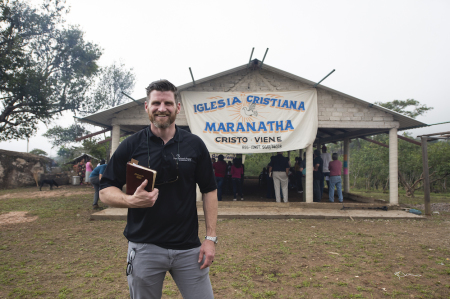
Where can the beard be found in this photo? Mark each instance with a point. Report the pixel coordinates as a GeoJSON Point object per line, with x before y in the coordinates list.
{"type": "Point", "coordinates": [162, 123]}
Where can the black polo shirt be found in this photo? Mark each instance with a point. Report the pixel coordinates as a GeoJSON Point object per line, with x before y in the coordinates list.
{"type": "Point", "coordinates": [279, 163]}
{"type": "Point", "coordinates": [172, 223]}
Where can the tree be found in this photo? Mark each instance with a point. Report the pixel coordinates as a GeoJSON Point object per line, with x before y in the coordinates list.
{"type": "Point", "coordinates": [111, 82]}
{"type": "Point", "coordinates": [45, 68]}
{"type": "Point", "coordinates": [38, 152]}
{"type": "Point", "coordinates": [403, 106]}
{"type": "Point", "coordinates": [63, 136]}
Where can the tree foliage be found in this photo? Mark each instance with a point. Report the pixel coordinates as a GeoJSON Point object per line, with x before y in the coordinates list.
{"type": "Point", "coordinates": [45, 68]}
{"type": "Point", "coordinates": [409, 107]}
{"type": "Point", "coordinates": [111, 82]}
{"type": "Point", "coordinates": [62, 136]}
{"type": "Point", "coordinates": [38, 152]}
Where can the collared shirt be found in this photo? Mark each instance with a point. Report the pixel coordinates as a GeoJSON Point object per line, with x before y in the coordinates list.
{"type": "Point", "coordinates": [279, 163]}
{"type": "Point", "coordinates": [172, 222]}
{"type": "Point", "coordinates": [335, 168]}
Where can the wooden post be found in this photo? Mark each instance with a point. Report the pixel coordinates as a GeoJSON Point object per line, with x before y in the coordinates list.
{"type": "Point", "coordinates": [346, 165]}
{"type": "Point", "coordinates": [426, 177]}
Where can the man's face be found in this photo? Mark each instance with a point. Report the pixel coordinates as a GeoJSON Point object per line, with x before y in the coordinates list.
{"type": "Point", "coordinates": [162, 109]}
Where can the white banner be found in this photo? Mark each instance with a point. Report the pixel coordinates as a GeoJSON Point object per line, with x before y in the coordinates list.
{"type": "Point", "coordinates": [236, 122]}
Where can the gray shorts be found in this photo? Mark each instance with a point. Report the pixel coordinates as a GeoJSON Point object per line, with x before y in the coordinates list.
{"type": "Point", "coordinates": [147, 267]}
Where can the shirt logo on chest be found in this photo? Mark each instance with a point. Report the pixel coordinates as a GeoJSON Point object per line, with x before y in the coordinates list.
{"type": "Point", "coordinates": [177, 157]}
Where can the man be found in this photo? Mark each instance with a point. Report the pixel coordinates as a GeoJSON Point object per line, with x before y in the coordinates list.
{"type": "Point", "coordinates": [220, 171]}
{"type": "Point", "coordinates": [326, 159]}
{"type": "Point", "coordinates": [303, 171]}
{"type": "Point", "coordinates": [94, 179]}
{"type": "Point", "coordinates": [162, 225]}
{"type": "Point", "coordinates": [335, 178]}
{"type": "Point", "coordinates": [280, 167]}
{"type": "Point", "coordinates": [298, 174]}
{"type": "Point", "coordinates": [317, 176]}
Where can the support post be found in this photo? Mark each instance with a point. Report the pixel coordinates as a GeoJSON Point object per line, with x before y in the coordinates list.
{"type": "Point", "coordinates": [309, 174]}
{"type": "Point", "coordinates": [393, 167]}
{"type": "Point", "coordinates": [115, 135]}
{"type": "Point", "coordinates": [346, 165]}
{"type": "Point", "coordinates": [426, 177]}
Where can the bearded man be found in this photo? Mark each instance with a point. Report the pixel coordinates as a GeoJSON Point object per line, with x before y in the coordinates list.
{"type": "Point", "coordinates": [162, 225]}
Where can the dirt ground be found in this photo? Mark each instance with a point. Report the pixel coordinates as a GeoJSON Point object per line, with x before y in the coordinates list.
{"type": "Point", "coordinates": [59, 253]}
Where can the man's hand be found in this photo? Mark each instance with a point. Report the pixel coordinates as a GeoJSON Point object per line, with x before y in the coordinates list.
{"type": "Point", "coordinates": [143, 199]}
{"type": "Point", "coordinates": [208, 250]}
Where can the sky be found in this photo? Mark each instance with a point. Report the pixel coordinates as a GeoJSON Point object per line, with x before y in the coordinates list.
{"type": "Point", "coordinates": [381, 50]}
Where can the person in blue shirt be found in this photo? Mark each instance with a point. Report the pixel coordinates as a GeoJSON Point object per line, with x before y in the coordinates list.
{"type": "Point", "coordinates": [94, 179]}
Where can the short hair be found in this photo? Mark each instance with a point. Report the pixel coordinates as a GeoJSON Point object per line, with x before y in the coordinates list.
{"type": "Point", "coordinates": [334, 156]}
{"type": "Point", "coordinates": [220, 157]}
{"type": "Point", "coordinates": [317, 153]}
{"type": "Point", "coordinates": [163, 85]}
{"type": "Point", "coordinates": [102, 161]}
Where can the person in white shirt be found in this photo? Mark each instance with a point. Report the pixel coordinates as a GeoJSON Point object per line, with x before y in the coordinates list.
{"type": "Point", "coordinates": [326, 157]}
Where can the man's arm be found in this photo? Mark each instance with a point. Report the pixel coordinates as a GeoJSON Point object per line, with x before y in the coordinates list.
{"type": "Point", "coordinates": [208, 249]}
{"type": "Point", "coordinates": [287, 171]}
{"type": "Point", "coordinates": [316, 167]}
{"type": "Point", "coordinates": [114, 197]}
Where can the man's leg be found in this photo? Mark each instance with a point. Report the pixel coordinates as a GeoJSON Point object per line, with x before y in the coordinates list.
{"type": "Point", "coordinates": [327, 174]}
{"type": "Point", "coordinates": [95, 182]}
{"type": "Point", "coordinates": [321, 186]}
{"type": "Point", "coordinates": [148, 269]}
{"type": "Point", "coordinates": [316, 190]}
{"type": "Point", "coordinates": [304, 188]}
{"type": "Point", "coordinates": [284, 186]}
{"type": "Point", "coordinates": [192, 282]}
{"type": "Point", "coordinates": [219, 188]}
{"type": "Point", "coordinates": [331, 189]}
{"type": "Point", "coordinates": [276, 185]}
{"type": "Point", "coordinates": [339, 189]}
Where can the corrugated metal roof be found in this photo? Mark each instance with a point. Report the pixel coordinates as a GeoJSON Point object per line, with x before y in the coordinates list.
{"type": "Point", "coordinates": [104, 118]}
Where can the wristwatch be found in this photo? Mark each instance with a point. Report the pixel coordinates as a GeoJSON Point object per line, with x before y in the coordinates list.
{"type": "Point", "coordinates": [214, 239]}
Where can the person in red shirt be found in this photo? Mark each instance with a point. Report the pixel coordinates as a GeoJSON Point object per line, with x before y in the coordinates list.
{"type": "Point", "coordinates": [220, 171]}
{"type": "Point", "coordinates": [236, 176]}
{"type": "Point", "coordinates": [335, 167]}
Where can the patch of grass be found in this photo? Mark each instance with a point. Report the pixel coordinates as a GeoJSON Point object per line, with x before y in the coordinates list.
{"type": "Point", "coordinates": [62, 255]}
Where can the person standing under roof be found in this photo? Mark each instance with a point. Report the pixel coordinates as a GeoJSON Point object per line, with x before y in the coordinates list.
{"type": "Point", "coordinates": [317, 176]}
{"type": "Point", "coordinates": [280, 167]}
{"type": "Point", "coordinates": [335, 167]}
{"type": "Point", "coordinates": [326, 159]}
{"type": "Point", "coordinates": [220, 171]}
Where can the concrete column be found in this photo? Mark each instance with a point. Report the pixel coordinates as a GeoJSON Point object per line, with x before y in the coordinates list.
{"type": "Point", "coordinates": [346, 165]}
{"type": "Point", "coordinates": [309, 174]}
{"type": "Point", "coordinates": [393, 167]}
{"type": "Point", "coordinates": [115, 138]}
